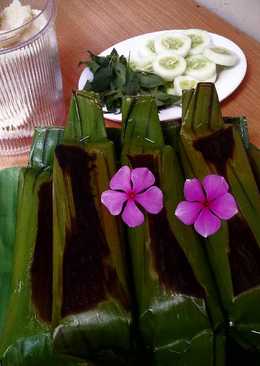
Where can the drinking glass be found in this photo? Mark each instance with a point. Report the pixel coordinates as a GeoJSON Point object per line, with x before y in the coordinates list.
{"type": "Point", "coordinates": [30, 78]}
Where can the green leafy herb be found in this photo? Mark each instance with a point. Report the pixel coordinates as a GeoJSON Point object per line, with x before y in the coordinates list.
{"type": "Point", "coordinates": [114, 78]}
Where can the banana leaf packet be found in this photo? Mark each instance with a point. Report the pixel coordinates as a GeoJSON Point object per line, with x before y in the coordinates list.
{"type": "Point", "coordinates": [26, 271]}
{"type": "Point", "coordinates": [174, 289]}
{"type": "Point", "coordinates": [91, 304]}
{"type": "Point", "coordinates": [39, 346]}
{"type": "Point", "coordinates": [207, 146]}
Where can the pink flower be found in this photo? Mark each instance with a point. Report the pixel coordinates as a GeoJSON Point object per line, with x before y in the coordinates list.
{"type": "Point", "coordinates": [206, 204]}
{"type": "Point", "coordinates": [129, 188]}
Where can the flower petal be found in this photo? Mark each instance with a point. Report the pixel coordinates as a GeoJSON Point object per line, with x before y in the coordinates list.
{"type": "Point", "coordinates": [113, 201]}
{"type": "Point", "coordinates": [193, 190]}
{"type": "Point", "coordinates": [224, 206]}
{"type": "Point", "coordinates": [187, 212]}
{"type": "Point", "coordinates": [207, 223]}
{"type": "Point", "coordinates": [151, 200]}
{"type": "Point", "coordinates": [132, 216]}
{"type": "Point", "coordinates": [121, 179]}
{"type": "Point", "coordinates": [142, 178]}
{"type": "Point", "coordinates": [214, 186]}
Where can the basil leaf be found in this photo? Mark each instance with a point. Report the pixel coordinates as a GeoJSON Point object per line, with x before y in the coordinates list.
{"type": "Point", "coordinates": [148, 80]}
{"type": "Point", "coordinates": [114, 78]}
{"type": "Point", "coordinates": [120, 72]}
{"type": "Point", "coordinates": [102, 79]}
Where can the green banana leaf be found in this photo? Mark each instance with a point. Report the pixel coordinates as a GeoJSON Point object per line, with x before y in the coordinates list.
{"type": "Point", "coordinates": [45, 140]}
{"type": "Point", "coordinates": [172, 279]}
{"type": "Point", "coordinates": [208, 146]}
{"type": "Point", "coordinates": [9, 179]}
{"type": "Point", "coordinates": [254, 159]}
{"type": "Point", "coordinates": [240, 356]}
{"type": "Point", "coordinates": [37, 350]}
{"type": "Point", "coordinates": [26, 337]}
{"type": "Point", "coordinates": [91, 305]}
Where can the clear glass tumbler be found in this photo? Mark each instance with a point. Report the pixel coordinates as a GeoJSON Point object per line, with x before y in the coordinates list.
{"type": "Point", "coordinates": [30, 78]}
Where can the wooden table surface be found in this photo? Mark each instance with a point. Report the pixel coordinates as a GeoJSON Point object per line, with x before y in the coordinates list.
{"type": "Point", "coordinates": [97, 24]}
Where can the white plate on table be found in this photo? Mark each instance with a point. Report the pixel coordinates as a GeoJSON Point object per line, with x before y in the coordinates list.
{"type": "Point", "coordinates": [227, 82]}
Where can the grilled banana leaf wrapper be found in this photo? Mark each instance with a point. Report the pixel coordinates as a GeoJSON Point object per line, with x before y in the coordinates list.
{"type": "Point", "coordinates": [30, 342]}
{"type": "Point", "coordinates": [235, 353]}
{"type": "Point", "coordinates": [26, 273]}
{"type": "Point", "coordinates": [91, 305]}
{"type": "Point", "coordinates": [208, 146]}
{"type": "Point", "coordinates": [178, 306]}
{"type": "Point", "coordinates": [171, 132]}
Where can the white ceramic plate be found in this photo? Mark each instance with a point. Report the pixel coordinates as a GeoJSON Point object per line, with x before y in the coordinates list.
{"type": "Point", "coordinates": [228, 80]}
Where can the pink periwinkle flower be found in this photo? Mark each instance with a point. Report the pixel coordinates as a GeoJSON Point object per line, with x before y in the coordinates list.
{"type": "Point", "coordinates": [207, 203]}
{"type": "Point", "coordinates": [130, 188]}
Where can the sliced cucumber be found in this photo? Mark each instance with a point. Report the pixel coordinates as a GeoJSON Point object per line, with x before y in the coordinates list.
{"type": "Point", "coordinates": [221, 56]}
{"type": "Point", "coordinates": [171, 91]}
{"type": "Point", "coordinates": [184, 82]}
{"type": "Point", "coordinates": [173, 42]}
{"type": "Point", "coordinates": [200, 39]}
{"type": "Point", "coordinates": [147, 48]}
{"type": "Point", "coordinates": [168, 66]}
{"type": "Point", "coordinates": [138, 62]}
{"type": "Point", "coordinates": [200, 67]}
{"type": "Point", "coordinates": [212, 79]}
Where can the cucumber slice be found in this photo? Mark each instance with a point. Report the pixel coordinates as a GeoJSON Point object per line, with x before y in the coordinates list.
{"type": "Point", "coordinates": [200, 39]}
{"type": "Point", "coordinates": [147, 48]}
{"type": "Point", "coordinates": [200, 67]}
{"type": "Point", "coordinates": [221, 56]}
{"type": "Point", "coordinates": [173, 42]}
{"type": "Point", "coordinates": [212, 79]}
{"type": "Point", "coordinates": [168, 66]}
{"type": "Point", "coordinates": [141, 63]}
{"type": "Point", "coordinates": [184, 82]}
{"type": "Point", "coordinates": [171, 91]}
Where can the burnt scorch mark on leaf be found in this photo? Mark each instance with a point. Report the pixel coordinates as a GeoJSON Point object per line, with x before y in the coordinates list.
{"type": "Point", "coordinates": [87, 275]}
{"type": "Point", "coordinates": [217, 148]}
{"type": "Point", "coordinates": [244, 256]}
{"type": "Point", "coordinates": [171, 264]}
{"type": "Point", "coordinates": [41, 269]}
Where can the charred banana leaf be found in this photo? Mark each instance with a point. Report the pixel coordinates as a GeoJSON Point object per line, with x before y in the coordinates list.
{"type": "Point", "coordinates": [208, 146]}
{"type": "Point", "coordinates": [173, 283]}
{"type": "Point", "coordinates": [90, 294]}
{"type": "Point", "coordinates": [26, 332]}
